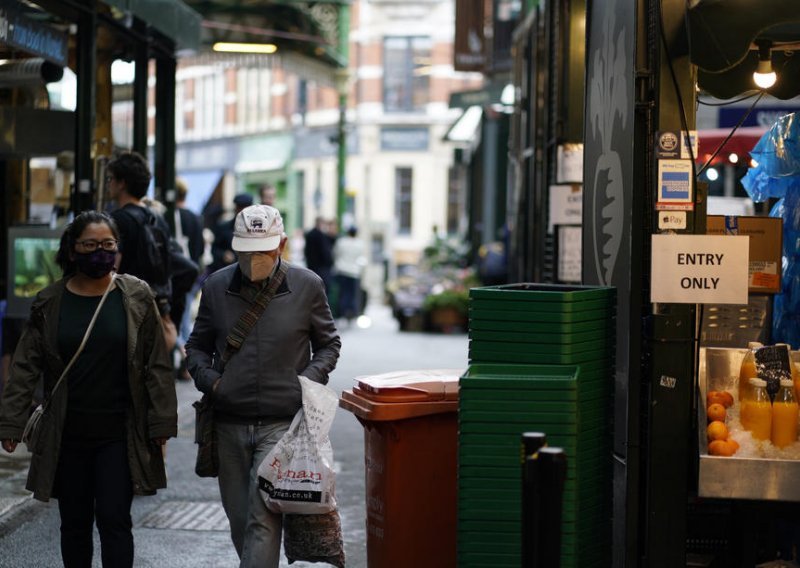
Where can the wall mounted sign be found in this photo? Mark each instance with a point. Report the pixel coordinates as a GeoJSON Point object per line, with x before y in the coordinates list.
{"type": "Point", "coordinates": [18, 30]}
{"type": "Point", "coordinates": [675, 188]}
{"type": "Point", "coordinates": [699, 269]}
{"type": "Point", "coordinates": [565, 206]}
{"type": "Point", "coordinates": [675, 145]}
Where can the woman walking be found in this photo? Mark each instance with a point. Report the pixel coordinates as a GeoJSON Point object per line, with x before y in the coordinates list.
{"type": "Point", "coordinates": [105, 421]}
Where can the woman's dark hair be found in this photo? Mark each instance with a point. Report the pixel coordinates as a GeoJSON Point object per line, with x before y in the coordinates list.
{"type": "Point", "coordinates": [72, 233]}
{"type": "Point", "coordinates": [131, 168]}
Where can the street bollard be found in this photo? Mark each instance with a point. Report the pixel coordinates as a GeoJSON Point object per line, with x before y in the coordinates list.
{"type": "Point", "coordinates": [552, 474]}
{"type": "Point", "coordinates": [531, 443]}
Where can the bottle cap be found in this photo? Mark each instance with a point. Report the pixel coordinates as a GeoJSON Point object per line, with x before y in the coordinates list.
{"type": "Point", "coordinates": [756, 382]}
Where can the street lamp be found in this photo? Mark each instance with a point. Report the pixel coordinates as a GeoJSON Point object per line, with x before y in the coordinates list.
{"type": "Point", "coordinates": [342, 78]}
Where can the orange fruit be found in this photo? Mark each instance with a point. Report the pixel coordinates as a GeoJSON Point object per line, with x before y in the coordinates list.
{"type": "Point", "coordinates": [717, 431]}
{"type": "Point", "coordinates": [733, 443]}
{"type": "Point", "coordinates": [719, 397]}
{"type": "Point", "coordinates": [720, 448]}
{"type": "Point", "coordinates": [727, 399]}
{"type": "Point", "coordinates": [716, 412]}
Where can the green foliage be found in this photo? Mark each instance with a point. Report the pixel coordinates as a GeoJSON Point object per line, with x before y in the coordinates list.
{"type": "Point", "coordinates": [456, 298]}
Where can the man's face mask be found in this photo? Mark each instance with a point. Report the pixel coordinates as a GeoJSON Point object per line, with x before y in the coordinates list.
{"type": "Point", "coordinates": [256, 266]}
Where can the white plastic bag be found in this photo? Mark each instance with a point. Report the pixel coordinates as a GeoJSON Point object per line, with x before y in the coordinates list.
{"type": "Point", "coordinates": [297, 475]}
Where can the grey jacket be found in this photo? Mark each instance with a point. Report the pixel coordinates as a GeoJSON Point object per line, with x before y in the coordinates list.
{"type": "Point", "coordinates": [296, 335]}
{"type": "Point", "coordinates": [153, 412]}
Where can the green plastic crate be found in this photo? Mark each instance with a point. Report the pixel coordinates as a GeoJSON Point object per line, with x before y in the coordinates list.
{"type": "Point", "coordinates": [534, 327]}
{"type": "Point", "coordinates": [562, 319]}
{"type": "Point", "coordinates": [548, 293]}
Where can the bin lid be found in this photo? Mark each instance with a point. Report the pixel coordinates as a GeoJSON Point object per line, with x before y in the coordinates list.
{"type": "Point", "coordinates": [403, 394]}
{"type": "Point", "coordinates": [410, 386]}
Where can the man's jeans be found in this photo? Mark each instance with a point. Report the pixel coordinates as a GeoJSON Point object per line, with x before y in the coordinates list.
{"type": "Point", "coordinates": [256, 532]}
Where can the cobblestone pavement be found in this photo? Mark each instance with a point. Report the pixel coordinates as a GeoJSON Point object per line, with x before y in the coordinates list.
{"type": "Point", "coordinates": [183, 526]}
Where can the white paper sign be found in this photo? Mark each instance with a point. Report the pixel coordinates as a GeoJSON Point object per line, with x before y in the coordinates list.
{"type": "Point", "coordinates": [699, 269]}
{"type": "Point", "coordinates": [569, 254]}
{"type": "Point", "coordinates": [569, 163]}
{"type": "Point", "coordinates": [566, 206]}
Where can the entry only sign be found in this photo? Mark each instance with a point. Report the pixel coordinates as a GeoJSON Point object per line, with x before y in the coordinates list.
{"type": "Point", "coordinates": [699, 269]}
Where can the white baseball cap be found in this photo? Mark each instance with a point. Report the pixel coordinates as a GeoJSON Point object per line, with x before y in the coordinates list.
{"type": "Point", "coordinates": [257, 228]}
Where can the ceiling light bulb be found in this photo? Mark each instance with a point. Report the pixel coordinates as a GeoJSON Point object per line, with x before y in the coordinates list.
{"type": "Point", "coordinates": [733, 158]}
{"type": "Point", "coordinates": [764, 76]}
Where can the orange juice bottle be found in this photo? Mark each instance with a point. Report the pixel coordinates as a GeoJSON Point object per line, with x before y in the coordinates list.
{"type": "Point", "coordinates": [794, 358]}
{"type": "Point", "coordinates": [756, 411]}
{"type": "Point", "coordinates": [784, 415]}
{"type": "Point", "coordinates": [748, 370]}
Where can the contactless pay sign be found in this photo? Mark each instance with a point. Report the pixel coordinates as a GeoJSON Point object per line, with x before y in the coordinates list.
{"type": "Point", "coordinates": [699, 269]}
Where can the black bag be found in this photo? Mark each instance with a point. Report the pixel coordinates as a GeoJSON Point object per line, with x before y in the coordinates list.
{"type": "Point", "coordinates": [184, 270]}
{"type": "Point", "coordinates": [153, 257]}
{"type": "Point", "coordinates": [207, 464]}
{"type": "Point", "coordinates": [314, 538]}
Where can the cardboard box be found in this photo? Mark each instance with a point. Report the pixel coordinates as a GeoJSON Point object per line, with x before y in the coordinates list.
{"type": "Point", "coordinates": [766, 238]}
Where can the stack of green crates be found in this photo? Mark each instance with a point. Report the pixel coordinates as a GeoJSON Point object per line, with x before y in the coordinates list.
{"type": "Point", "coordinates": [540, 360]}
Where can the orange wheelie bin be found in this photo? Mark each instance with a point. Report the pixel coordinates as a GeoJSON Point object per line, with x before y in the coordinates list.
{"type": "Point", "coordinates": [410, 421]}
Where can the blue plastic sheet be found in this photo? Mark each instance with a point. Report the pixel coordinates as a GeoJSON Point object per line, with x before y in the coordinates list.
{"type": "Point", "coordinates": [777, 176]}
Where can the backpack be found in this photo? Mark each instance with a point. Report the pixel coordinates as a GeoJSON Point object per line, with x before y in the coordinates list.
{"type": "Point", "coordinates": [152, 251]}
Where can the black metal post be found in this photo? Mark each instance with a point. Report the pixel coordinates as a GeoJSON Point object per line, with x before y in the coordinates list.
{"type": "Point", "coordinates": [530, 444]}
{"type": "Point", "coordinates": [552, 474]}
{"type": "Point", "coordinates": [82, 194]}
{"type": "Point", "coordinates": [165, 134]}
{"type": "Point", "coordinates": [141, 60]}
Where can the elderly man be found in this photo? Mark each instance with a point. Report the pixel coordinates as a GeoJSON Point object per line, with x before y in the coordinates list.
{"type": "Point", "coordinates": [258, 392]}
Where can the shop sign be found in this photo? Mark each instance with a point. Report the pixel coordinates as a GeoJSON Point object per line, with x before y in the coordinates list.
{"type": "Point", "coordinates": [404, 139]}
{"type": "Point", "coordinates": [763, 117]}
{"type": "Point", "coordinates": [675, 190]}
{"type": "Point", "coordinates": [469, 39]}
{"type": "Point", "coordinates": [21, 32]}
{"type": "Point", "coordinates": [699, 269]}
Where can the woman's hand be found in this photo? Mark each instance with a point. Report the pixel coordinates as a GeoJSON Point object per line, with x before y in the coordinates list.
{"type": "Point", "coordinates": [10, 446]}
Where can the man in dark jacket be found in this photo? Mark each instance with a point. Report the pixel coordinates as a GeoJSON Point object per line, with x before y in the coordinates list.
{"type": "Point", "coordinates": [258, 393]}
{"type": "Point", "coordinates": [319, 251]}
{"type": "Point", "coordinates": [221, 251]}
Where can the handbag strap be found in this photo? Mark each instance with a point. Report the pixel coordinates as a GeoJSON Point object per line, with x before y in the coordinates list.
{"type": "Point", "coordinates": [85, 336]}
{"type": "Point", "coordinates": [251, 315]}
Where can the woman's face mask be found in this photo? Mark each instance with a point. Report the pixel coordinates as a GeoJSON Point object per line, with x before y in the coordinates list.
{"type": "Point", "coordinates": [96, 264]}
{"type": "Point", "coordinates": [257, 266]}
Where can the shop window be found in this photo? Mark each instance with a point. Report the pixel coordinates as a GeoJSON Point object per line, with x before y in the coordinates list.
{"type": "Point", "coordinates": [406, 73]}
{"type": "Point", "coordinates": [403, 185]}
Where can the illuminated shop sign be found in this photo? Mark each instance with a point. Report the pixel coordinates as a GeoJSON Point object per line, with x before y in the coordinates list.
{"type": "Point", "coordinates": [19, 31]}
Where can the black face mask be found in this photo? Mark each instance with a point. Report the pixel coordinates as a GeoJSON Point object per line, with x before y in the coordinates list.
{"type": "Point", "coordinates": [96, 264]}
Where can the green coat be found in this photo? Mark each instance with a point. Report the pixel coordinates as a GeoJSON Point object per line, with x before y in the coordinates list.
{"type": "Point", "coordinates": [153, 411]}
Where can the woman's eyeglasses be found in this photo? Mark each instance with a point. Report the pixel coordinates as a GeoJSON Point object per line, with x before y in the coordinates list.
{"type": "Point", "coordinates": [109, 245]}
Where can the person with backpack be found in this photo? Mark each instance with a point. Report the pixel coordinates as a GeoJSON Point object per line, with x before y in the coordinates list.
{"type": "Point", "coordinates": [144, 234]}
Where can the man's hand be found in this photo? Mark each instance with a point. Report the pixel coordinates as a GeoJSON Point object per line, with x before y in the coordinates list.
{"type": "Point", "coordinates": [159, 441]}
{"type": "Point", "coordinates": [10, 446]}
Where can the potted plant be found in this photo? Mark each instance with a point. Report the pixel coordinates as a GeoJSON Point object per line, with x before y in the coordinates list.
{"type": "Point", "coordinates": [448, 309]}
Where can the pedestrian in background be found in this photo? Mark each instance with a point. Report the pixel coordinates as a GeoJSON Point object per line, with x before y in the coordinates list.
{"type": "Point", "coordinates": [318, 251]}
{"type": "Point", "coordinates": [258, 393]}
{"type": "Point", "coordinates": [350, 259]}
{"type": "Point", "coordinates": [221, 250]}
{"type": "Point", "coordinates": [101, 436]}
{"type": "Point", "coordinates": [128, 177]}
{"type": "Point", "coordinates": [268, 194]}
{"type": "Point", "coordinates": [189, 236]}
